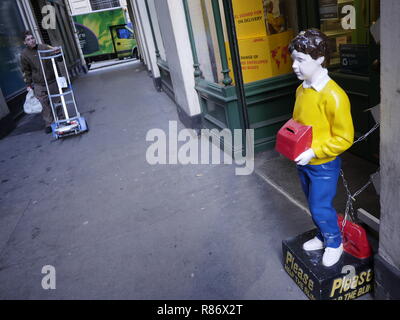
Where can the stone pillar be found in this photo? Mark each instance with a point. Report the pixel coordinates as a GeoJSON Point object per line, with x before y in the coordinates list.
{"type": "Point", "coordinates": [148, 34]}
{"type": "Point", "coordinates": [387, 261]}
{"type": "Point", "coordinates": [7, 123]}
{"type": "Point", "coordinates": [156, 29]}
{"type": "Point", "coordinates": [141, 37]}
{"type": "Point", "coordinates": [172, 22]}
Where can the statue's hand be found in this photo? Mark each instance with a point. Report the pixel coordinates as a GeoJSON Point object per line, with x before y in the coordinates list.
{"type": "Point", "coordinates": [305, 157]}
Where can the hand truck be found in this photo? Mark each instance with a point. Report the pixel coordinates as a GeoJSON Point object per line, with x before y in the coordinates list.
{"type": "Point", "coordinates": [69, 125]}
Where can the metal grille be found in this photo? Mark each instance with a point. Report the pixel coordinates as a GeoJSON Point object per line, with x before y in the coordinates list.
{"type": "Point", "coordinates": [104, 4]}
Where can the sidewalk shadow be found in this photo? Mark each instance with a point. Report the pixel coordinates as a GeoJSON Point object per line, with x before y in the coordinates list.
{"type": "Point", "coordinates": [28, 123]}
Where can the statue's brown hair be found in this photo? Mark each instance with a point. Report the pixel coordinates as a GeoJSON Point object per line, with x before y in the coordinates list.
{"type": "Point", "coordinates": [312, 42]}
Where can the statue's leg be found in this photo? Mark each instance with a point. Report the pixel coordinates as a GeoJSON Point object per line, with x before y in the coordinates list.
{"type": "Point", "coordinates": [305, 181]}
{"type": "Point", "coordinates": [322, 191]}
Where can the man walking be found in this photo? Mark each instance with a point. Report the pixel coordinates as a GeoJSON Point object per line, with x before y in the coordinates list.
{"type": "Point", "coordinates": [34, 77]}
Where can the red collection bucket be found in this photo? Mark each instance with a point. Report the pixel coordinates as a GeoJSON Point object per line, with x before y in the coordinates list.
{"type": "Point", "coordinates": [355, 241]}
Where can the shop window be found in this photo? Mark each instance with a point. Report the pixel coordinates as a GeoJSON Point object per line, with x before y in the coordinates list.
{"type": "Point", "coordinates": [332, 12]}
{"type": "Point", "coordinates": [205, 38]}
{"type": "Point", "coordinates": [264, 30]}
{"type": "Point", "coordinates": [11, 78]}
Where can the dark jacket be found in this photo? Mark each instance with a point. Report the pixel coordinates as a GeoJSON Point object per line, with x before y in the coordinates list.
{"type": "Point", "coordinates": [31, 66]}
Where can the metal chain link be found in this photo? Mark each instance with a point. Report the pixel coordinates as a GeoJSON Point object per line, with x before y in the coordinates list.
{"type": "Point", "coordinates": [350, 197]}
{"type": "Point", "coordinates": [349, 202]}
{"type": "Point", "coordinates": [368, 133]}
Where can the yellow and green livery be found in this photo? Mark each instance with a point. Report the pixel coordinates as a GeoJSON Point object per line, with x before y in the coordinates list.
{"type": "Point", "coordinates": [105, 35]}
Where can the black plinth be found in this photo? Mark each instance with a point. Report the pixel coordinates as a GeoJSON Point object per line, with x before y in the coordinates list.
{"type": "Point", "coordinates": [349, 279]}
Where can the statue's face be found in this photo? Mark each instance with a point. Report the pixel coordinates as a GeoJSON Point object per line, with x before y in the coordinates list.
{"type": "Point", "coordinates": [304, 66]}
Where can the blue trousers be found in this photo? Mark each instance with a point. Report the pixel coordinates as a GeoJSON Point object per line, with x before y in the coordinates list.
{"type": "Point", "coordinates": [319, 183]}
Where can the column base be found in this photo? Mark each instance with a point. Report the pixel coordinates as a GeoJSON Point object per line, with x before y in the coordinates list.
{"type": "Point", "coordinates": [387, 280]}
{"type": "Point", "coordinates": [7, 125]}
{"type": "Point", "coordinates": [192, 122]}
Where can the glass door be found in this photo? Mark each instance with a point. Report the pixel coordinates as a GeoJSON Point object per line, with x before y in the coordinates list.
{"type": "Point", "coordinates": [330, 12]}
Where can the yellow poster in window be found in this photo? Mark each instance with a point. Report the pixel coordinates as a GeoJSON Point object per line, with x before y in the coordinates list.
{"type": "Point", "coordinates": [254, 57]}
{"type": "Point", "coordinates": [249, 18]}
{"type": "Point", "coordinates": [264, 57]}
{"type": "Point", "coordinates": [281, 62]}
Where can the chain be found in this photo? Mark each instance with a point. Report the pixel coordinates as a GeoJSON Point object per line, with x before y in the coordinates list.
{"type": "Point", "coordinates": [350, 197]}
{"type": "Point", "coordinates": [349, 202]}
{"type": "Point", "coordinates": [362, 189]}
{"type": "Point", "coordinates": [368, 133]}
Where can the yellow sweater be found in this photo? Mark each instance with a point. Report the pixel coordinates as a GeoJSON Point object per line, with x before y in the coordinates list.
{"type": "Point", "coordinates": [328, 112]}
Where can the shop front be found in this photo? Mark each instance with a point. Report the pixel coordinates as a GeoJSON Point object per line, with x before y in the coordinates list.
{"type": "Point", "coordinates": [262, 31]}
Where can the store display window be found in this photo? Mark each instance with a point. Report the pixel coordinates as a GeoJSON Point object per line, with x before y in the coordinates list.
{"type": "Point", "coordinates": [347, 22]}
{"type": "Point", "coordinates": [11, 45]}
{"type": "Point", "coordinates": [206, 39]}
{"type": "Point", "coordinates": [264, 30]}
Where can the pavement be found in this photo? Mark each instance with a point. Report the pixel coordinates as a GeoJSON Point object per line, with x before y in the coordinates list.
{"type": "Point", "coordinates": [115, 227]}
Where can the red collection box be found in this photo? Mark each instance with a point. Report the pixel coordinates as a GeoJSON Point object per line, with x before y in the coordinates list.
{"type": "Point", "coordinates": [355, 241]}
{"type": "Point", "coordinates": [293, 139]}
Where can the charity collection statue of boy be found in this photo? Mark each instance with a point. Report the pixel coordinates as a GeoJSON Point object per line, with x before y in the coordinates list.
{"type": "Point", "coordinates": [322, 104]}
